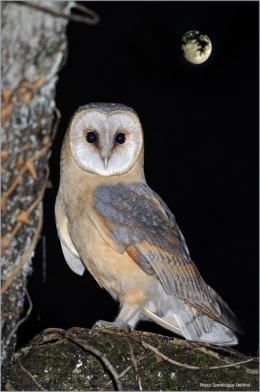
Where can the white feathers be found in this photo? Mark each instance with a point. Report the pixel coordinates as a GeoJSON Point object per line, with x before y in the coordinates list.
{"type": "Point", "coordinates": [72, 260]}
{"type": "Point", "coordinates": [105, 156]}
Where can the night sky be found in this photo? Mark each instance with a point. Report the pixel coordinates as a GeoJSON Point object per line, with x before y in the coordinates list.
{"type": "Point", "coordinates": [201, 148]}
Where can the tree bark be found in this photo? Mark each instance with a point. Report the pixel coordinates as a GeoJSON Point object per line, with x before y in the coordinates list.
{"type": "Point", "coordinates": [58, 360]}
{"type": "Point", "coordinates": [33, 50]}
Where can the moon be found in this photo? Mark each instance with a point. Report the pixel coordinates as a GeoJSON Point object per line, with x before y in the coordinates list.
{"type": "Point", "coordinates": [196, 47]}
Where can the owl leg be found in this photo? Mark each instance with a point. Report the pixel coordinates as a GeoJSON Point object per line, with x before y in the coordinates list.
{"type": "Point", "coordinates": [128, 316]}
{"type": "Point", "coordinates": [117, 325]}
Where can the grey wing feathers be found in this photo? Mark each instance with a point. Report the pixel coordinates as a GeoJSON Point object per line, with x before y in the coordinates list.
{"type": "Point", "coordinates": [137, 216]}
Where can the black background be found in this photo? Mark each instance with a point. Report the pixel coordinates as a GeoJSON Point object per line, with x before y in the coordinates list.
{"type": "Point", "coordinates": [201, 147]}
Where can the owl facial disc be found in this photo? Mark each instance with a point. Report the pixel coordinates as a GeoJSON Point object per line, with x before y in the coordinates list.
{"type": "Point", "coordinates": [106, 142]}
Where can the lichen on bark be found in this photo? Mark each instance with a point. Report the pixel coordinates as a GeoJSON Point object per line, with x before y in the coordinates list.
{"type": "Point", "coordinates": [33, 49]}
{"type": "Point", "coordinates": [144, 361]}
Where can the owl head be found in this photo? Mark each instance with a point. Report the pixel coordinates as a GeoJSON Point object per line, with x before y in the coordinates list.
{"type": "Point", "coordinates": [105, 138]}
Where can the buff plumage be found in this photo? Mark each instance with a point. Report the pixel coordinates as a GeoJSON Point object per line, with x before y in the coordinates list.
{"type": "Point", "coordinates": [110, 222]}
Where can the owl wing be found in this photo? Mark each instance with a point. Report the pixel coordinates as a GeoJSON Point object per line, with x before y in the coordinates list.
{"type": "Point", "coordinates": [134, 219]}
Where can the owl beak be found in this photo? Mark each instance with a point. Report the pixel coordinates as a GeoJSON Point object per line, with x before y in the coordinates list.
{"type": "Point", "coordinates": [105, 160]}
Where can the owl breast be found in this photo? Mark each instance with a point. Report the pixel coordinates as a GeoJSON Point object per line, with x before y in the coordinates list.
{"type": "Point", "coordinates": [116, 272]}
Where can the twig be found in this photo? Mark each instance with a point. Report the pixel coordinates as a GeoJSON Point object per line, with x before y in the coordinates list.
{"type": "Point", "coordinates": [37, 341]}
{"type": "Point", "coordinates": [135, 365]}
{"type": "Point", "coordinates": [26, 255]}
{"type": "Point", "coordinates": [125, 371]}
{"type": "Point", "coordinates": [23, 319]}
{"type": "Point", "coordinates": [56, 124]}
{"type": "Point", "coordinates": [96, 352]}
{"type": "Point", "coordinates": [27, 165]}
{"type": "Point", "coordinates": [7, 239]}
{"type": "Point", "coordinates": [32, 377]}
{"type": "Point", "coordinates": [76, 18]}
{"type": "Point", "coordinates": [19, 176]}
{"type": "Point", "coordinates": [229, 350]}
{"type": "Point", "coordinates": [189, 366]}
{"type": "Point", "coordinates": [226, 349]}
{"type": "Point", "coordinates": [193, 343]}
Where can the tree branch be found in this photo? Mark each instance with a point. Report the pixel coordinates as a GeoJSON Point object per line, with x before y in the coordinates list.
{"type": "Point", "coordinates": [75, 18]}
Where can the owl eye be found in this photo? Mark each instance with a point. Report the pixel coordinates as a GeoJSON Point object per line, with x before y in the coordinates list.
{"type": "Point", "coordinates": [120, 138]}
{"type": "Point", "coordinates": [91, 137]}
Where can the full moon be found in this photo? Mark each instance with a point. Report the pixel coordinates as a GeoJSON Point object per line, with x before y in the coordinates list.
{"type": "Point", "coordinates": [196, 47]}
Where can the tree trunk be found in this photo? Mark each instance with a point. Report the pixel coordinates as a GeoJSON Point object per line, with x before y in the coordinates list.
{"type": "Point", "coordinates": [33, 49]}
{"type": "Point", "coordinates": [57, 360]}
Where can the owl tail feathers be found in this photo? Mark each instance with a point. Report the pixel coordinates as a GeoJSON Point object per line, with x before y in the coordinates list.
{"type": "Point", "coordinates": [169, 324]}
{"type": "Point", "coordinates": [183, 325]}
{"type": "Point", "coordinates": [226, 317]}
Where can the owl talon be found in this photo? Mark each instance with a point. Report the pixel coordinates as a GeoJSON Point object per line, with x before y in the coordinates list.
{"type": "Point", "coordinates": [117, 325]}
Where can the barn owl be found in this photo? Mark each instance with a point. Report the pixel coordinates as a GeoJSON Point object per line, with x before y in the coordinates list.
{"type": "Point", "coordinates": [112, 223]}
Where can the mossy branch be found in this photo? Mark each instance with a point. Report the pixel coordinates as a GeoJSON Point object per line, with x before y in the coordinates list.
{"type": "Point", "coordinates": [63, 360]}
